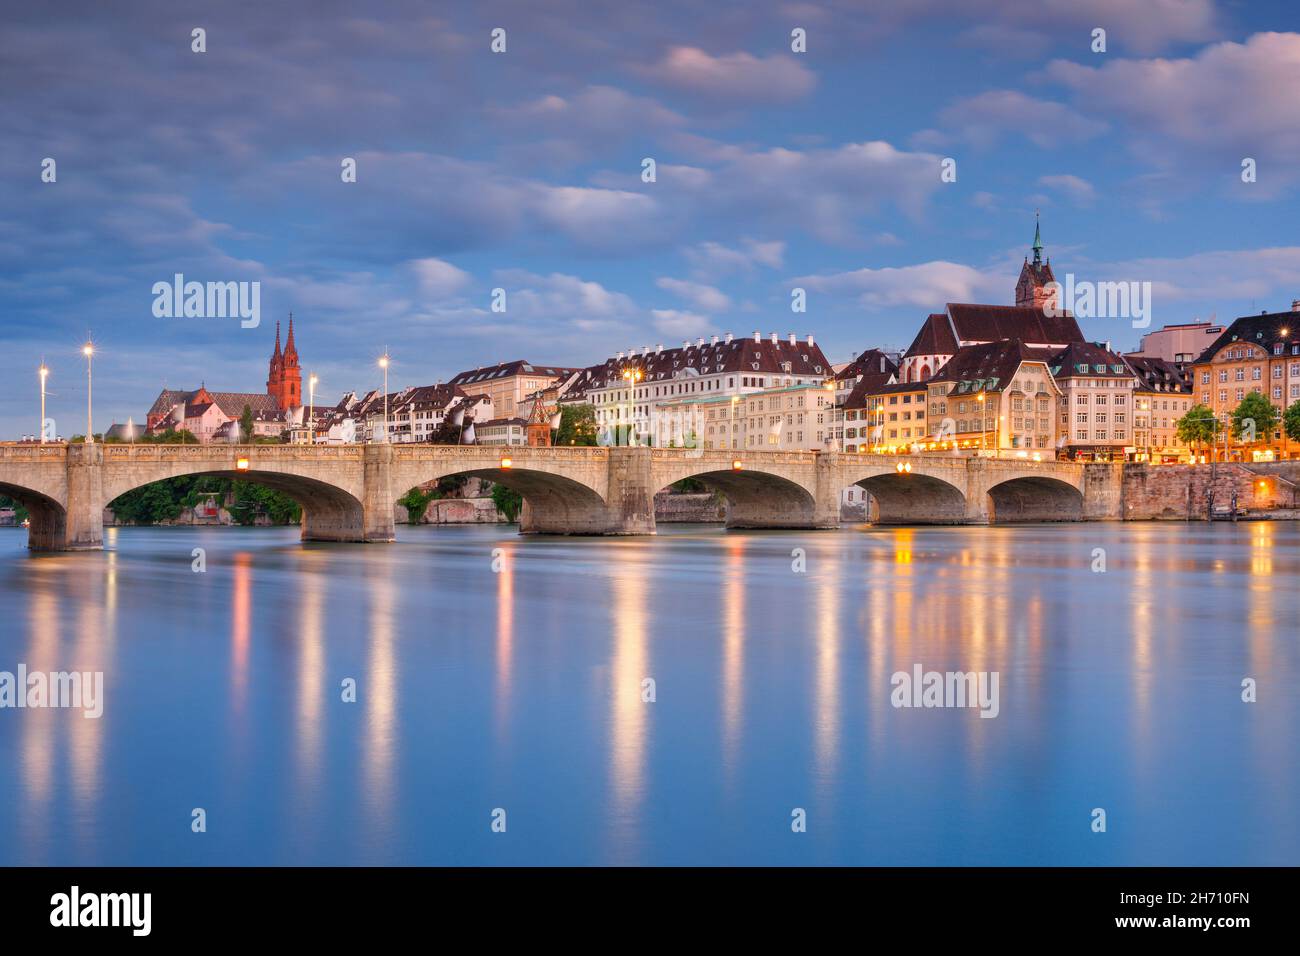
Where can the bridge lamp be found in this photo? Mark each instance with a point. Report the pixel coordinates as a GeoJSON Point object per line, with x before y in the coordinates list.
{"type": "Point", "coordinates": [45, 373]}
{"type": "Point", "coordinates": [737, 465]}
{"type": "Point", "coordinates": [383, 363]}
{"type": "Point", "coordinates": [88, 350]}
{"type": "Point", "coordinates": [506, 463]}
{"type": "Point", "coordinates": [241, 464]}
{"type": "Point", "coordinates": [311, 418]}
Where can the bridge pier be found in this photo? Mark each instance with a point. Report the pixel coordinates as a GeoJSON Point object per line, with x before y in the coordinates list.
{"type": "Point", "coordinates": [628, 508]}
{"type": "Point", "coordinates": [83, 520]}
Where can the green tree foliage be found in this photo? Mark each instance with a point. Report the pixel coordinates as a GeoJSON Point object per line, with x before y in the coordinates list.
{"type": "Point", "coordinates": [20, 512]}
{"type": "Point", "coordinates": [415, 502]}
{"type": "Point", "coordinates": [164, 500]}
{"type": "Point", "coordinates": [1291, 421]}
{"type": "Point", "coordinates": [577, 425]}
{"type": "Point", "coordinates": [1258, 409]}
{"type": "Point", "coordinates": [508, 502]}
{"type": "Point", "coordinates": [1197, 427]}
{"type": "Point", "coordinates": [688, 486]}
{"type": "Point", "coordinates": [246, 425]}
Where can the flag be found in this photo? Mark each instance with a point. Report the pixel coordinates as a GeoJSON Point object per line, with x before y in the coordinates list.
{"type": "Point", "coordinates": [467, 437]}
{"type": "Point", "coordinates": [555, 421]}
{"type": "Point", "coordinates": [457, 416]}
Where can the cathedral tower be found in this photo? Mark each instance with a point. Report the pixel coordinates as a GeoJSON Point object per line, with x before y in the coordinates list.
{"type": "Point", "coordinates": [1032, 289]}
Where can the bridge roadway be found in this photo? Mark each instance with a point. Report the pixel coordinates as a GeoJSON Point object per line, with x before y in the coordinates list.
{"type": "Point", "coordinates": [349, 492]}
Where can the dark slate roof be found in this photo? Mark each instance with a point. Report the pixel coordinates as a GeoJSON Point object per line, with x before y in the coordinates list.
{"type": "Point", "coordinates": [1090, 359]}
{"type": "Point", "coordinates": [741, 356]}
{"type": "Point", "coordinates": [870, 362]}
{"type": "Point", "coordinates": [478, 376]}
{"type": "Point", "coordinates": [1157, 375]}
{"type": "Point", "coordinates": [231, 403]}
{"type": "Point", "coordinates": [865, 389]}
{"type": "Point", "coordinates": [989, 367]}
{"type": "Point", "coordinates": [935, 337]}
{"type": "Point", "coordinates": [1264, 330]}
{"type": "Point", "coordinates": [989, 323]}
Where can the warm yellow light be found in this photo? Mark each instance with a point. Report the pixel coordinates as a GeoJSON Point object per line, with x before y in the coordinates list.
{"type": "Point", "coordinates": [737, 465]}
{"type": "Point", "coordinates": [312, 381]}
{"type": "Point", "coordinates": [241, 464]}
{"type": "Point", "coordinates": [383, 361]}
{"type": "Point", "coordinates": [88, 350]}
{"type": "Point", "coordinates": [44, 372]}
{"type": "Point", "coordinates": [506, 463]}
{"type": "Point", "coordinates": [981, 396]}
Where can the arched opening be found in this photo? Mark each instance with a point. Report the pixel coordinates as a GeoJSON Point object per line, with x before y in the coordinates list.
{"type": "Point", "coordinates": [1034, 499]}
{"type": "Point", "coordinates": [908, 498]}
{"type": "Point", "coordinates": [328, 512]}
{"type": "Point", "coordinates": [756, 499]}
{"type": "Point", "coordinates": [551, 504]}
{"type": "Point", "coordinates": [48, 521]}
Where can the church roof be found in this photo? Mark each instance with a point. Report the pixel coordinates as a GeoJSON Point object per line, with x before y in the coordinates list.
{"type": "Point", "coordinates": [1265, 330]}
{"type": "Point", "coordinates": [935, 338]}
{"type": "Point", "coordinates": [988, 367]}
{"type": "Point", "coordinates": [1034, 326]}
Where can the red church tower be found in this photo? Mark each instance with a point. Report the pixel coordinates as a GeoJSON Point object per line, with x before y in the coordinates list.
{"type": "Point", "coordinates": [284, 381]}
{"type": "Point", "coordinates": [1032, 288]}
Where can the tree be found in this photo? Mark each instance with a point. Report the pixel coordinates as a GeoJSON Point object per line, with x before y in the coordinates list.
{"type": "Point", "coordinates": [20, 512]}
{"type": "Point", "coordinates": [246, 425]}
{"type": "Point", "coordinates": [1197, 427]}
{"type": "Point", "coordinates": [171, 436]}
{"type": "Point", "coordinates": [1254, 419]}
{"type": "Point", "coordinates": [508, 502]}
{"type": "Point", "coordinates": [577, 425]}
{"type": "Point", "coordinates": [1291, 421]}
{"type": "Point", "coordinates": [416, 502]}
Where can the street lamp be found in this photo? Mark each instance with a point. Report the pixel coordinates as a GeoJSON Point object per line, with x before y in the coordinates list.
{"type": "Point", "coordinates": [44, 372]}
{"type": "Point", "coordinates": [88, 350]}
{"type": "Point", "coordinates": [631, 376]}
{"type": "Point", "coordinates": [311, 391]}
{"type": "Point", "coordinates": [982, 419]}
{"type": "Point", "coordinates": [383, 363]}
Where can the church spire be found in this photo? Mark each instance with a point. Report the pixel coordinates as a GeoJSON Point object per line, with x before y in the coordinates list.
{"type": "Point", "coordinates": [276, 354]}
{"type": "Point", "coordinates": [290, 350]}
{"type": "Point", "coordinates": [1038, 242]}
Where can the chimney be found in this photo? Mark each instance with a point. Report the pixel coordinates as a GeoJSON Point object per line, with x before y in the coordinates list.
{"type": "Point", "coordinates": [758, 336]}
{"type": "Point", "coordinates": [882, 363]}
{"type": "Point", "coordinates": [1295, 305]}
{"type": "Point", "coordinates": [794, 339]}
{"type": "Point", "coordinates": [774, 338]}
{"type": "Point", "coordinates": [714, 341]}
{"type": "Point", "coordinates": [619, 355]}
{"type": "Point", "coordinates": [659, 349]}
{"type": "Point", "coordinates": [700, 341]}
{"type": "Point", "coordinates": [728, 338]}
{"type": "Point", "coordinates": [686, 343]}
{"type": "Point", "coordinates": [645, 350]}
{"type": "Point", "coordinates": [811, 343]}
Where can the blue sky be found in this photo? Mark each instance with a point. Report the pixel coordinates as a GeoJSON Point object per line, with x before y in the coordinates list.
{"type": "Point", "coordinates": [522, 170]}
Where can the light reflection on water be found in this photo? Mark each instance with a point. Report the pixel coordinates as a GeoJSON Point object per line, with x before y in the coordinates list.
{"type": "Point", "coordinates": [522, 689]}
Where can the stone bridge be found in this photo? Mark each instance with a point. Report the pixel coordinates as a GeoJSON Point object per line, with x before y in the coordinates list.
{"type": "Point", "coordinates": [349, 492]}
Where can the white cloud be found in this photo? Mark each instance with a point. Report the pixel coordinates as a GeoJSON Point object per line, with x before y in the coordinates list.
{"type": "Point", "coordinates": [686, 324]}
{"type": "Point", "coordinates": [927, 285]}
{"type": "Point", "coordinates": [1079, 190]}
{"type": "Point", "coordinates": [439, 279]}
{"type": "Point", "coordinates": [704, 297]}
{"type": "Point", "coordinates": [983, 119]}
{"type": "Point", "coordinates": [733, 77]}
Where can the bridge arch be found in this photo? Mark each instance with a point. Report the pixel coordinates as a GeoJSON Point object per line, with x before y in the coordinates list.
{"type": "Point", "coordinates": [913, 497]}
{"type": "Point", "coordinates": [763, 489]}
{"type": "Point", "coordinates": [1033, 498]}
{"type": "Point", "coordinates": [553, 504]}
{"type": "Point", "coordinates": [48, 518]}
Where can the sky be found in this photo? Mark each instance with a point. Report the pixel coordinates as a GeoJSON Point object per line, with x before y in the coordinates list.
{"type": "Point", "coordinates": [523, 170]}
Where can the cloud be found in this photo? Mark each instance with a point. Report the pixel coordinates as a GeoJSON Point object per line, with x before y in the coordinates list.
{"type": "Point", "coordinates": [983, 119]}
{"type": "Point", "coordinates": [1079, 190]}
{"type": "Point", "coordinates": [734, 78]}
{"type": "Point", "coordinates": [1231, 100]}
{"type": "Point", "coordinates": [704, 297]}
{"type": "Point", "coordinates": [927, 285]}
{"type": "Point", "coordinates": [439, 279]}
{"type": "Point", "coordinates": [686, 324]}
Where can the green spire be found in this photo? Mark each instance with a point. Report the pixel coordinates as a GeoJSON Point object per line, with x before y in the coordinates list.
{"type": "Point", "coordinates": [1038, 242]}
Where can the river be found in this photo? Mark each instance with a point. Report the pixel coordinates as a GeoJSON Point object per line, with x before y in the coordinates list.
{"type": "Point", "coordinates": [502, 679]}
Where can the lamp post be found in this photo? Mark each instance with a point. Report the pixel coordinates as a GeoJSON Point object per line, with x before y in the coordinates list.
{"type": "Point", "coordinates": [311, 391]}
{"type": "Point", "coordinates": [631, 376]}
{"type": "Point", "coordinates": [980, 397]}
{"type": "Point", "coordinates": [88, 350]}
{"type": "Point", "coordinates": [44, 372]}
{"type": "Point", "coordinates": [383, 363]}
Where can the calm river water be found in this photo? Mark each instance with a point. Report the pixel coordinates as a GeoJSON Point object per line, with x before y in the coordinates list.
{"type": "Point", "coordinates": [522, 689]}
